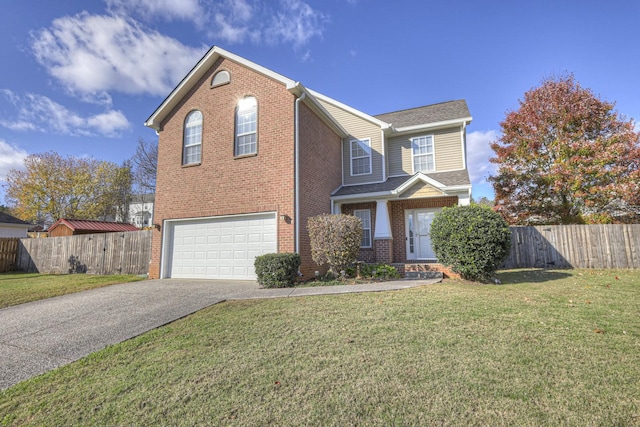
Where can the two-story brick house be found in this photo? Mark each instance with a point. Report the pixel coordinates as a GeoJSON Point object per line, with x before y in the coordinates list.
{"type": "Point", "coordinates": [247, 155]}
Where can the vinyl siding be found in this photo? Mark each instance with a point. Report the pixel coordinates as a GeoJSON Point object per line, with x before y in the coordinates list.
{"type": "Point", "coordinates": [447, 146]}
{"type": "Point", "coordinates": [358, 128]}
{"type": "Point", "coordinates": [420, 190]}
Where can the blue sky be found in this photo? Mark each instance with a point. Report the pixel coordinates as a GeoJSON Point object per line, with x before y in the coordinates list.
{"type": "Point", "coordinates": [80, 77]}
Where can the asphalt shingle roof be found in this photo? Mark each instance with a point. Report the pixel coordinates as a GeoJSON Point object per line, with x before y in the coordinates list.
{"type": "Point", "coordinates": [452, 178]}
{"type": "Point", "coordinates": [5, 218]}
{"type": "Point", "coordinates": [450, 110]}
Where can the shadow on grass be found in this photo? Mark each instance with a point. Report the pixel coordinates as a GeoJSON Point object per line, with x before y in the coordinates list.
{"type": "Point", "coordinates": [514, 277]}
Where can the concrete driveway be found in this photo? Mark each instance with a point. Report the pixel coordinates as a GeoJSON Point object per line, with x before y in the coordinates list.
{"type": "Point", "coordinates": [39, 336]}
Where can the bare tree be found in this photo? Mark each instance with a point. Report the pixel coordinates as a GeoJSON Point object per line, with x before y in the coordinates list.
{"type": "Point", "coordinates": [145, 166]}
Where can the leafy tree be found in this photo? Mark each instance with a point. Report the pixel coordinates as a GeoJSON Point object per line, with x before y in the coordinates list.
{"type": "Point", "coordinates": [473, 240]}
{"type": "Point", "coordinates": [566, 156]}
{"type": "Point", "coordinates": [484, 201]}
{"type": "Point", "coordinates": [335, 240]}
{"type": "Point", "coordinates": [51, 187]}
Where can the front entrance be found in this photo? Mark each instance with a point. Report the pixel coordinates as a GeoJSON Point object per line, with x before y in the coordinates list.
{"type": "Point", "coordinates": [418, 233]}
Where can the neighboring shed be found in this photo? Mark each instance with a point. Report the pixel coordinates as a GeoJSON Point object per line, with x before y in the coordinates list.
{"type": "Point", "coordinates": [72, 227]}
{"type": "Point", "coordinates": [10, 226]}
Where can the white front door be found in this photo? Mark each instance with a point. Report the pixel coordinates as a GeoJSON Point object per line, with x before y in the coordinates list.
{"type": "Point", "coordinates": [418, 224]}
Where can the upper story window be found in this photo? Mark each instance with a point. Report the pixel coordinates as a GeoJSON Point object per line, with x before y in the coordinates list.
{"type": "Point", "coordinates": [423, 154]}
{"type": "Point", "coordinates": [192, 152]}
{"type": "Point", "coordinates": [360, 156]}
{"type": "Point", "coordinates": [246, 127]}
{"type": "Point", "coordinates": [221, 78]}
{"type": "Point", "coordinates": [365, 217]}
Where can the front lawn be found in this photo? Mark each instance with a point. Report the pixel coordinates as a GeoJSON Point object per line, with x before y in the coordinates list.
{"type": "Point", "coordinates": [544, 348]}
{"type": "Point", "coordinates": [18, 288]}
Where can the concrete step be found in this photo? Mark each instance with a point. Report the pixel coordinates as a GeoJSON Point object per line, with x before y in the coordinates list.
{"type": "Point", "coordinates": [423, 275]}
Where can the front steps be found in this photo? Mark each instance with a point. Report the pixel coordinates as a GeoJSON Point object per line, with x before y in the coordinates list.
{"type": "Point", "coordinates": [424, 271]}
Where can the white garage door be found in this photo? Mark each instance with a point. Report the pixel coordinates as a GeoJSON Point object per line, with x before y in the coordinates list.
{"type": "Point", "coordinates": [220, 248]}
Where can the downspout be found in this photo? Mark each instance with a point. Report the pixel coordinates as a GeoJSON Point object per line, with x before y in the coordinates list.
{"type": "Point", "coordinates": [296, 247]}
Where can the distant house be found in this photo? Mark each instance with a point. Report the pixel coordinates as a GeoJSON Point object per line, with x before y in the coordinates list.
{"type": "Point", "coordinates": [72, 227]}
{"type": "Point", "coordinates": [10, 226]}
{"type": "Point", "coordinates": [141, 210]}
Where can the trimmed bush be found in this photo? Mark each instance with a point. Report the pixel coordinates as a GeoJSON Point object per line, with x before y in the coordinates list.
{"type": "Point", "coordinates": [277, 270]}
{"type": "Point", "coordinates": [335, 240]}
{"type": "Point", "coordinates": [473, 240]}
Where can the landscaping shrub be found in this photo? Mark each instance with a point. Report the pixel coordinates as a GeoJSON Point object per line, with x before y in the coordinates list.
{"type": "Point", "coordinates": [277, 270]}
{"type": "Point", "coordinates": [473, 240]}
{"type": "Point", "coordinates": [375, 271]}
{"type": "Point", "coordinates": [335, 240]}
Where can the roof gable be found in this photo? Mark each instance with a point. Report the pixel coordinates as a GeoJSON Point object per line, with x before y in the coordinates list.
{"type": "Point", "coordinates": [208, 60]}
{"type": "Point", "coordinates": [197, 72]}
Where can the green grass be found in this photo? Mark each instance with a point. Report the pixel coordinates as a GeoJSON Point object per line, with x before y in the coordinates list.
{"type": "Point", "coordinates": [18, 288]}
{"type": "Point", "coordinates": [545, 348]}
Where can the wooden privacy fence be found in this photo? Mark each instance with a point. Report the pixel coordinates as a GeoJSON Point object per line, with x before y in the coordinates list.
{"type": "Point", "coordinates": [8, 253]}
{"type": "Point", "coordinates": [577, 246]}
{"type": "Point", "coordinates": [106, 253]}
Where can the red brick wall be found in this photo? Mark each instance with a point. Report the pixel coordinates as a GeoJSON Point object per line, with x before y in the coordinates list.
{"type": "Point", "coordinates": [222, 184]}
{"type": "Point", "coordinates": [320, 175]}
{"type": "Point", "coordinates": [397, 219]}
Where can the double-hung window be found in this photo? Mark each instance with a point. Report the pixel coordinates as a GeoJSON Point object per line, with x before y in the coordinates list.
{"type": "Point", "coordinates": [423, 154]}
{"type": "Point", "coordinates": [360, 156]}
{"type": "Point", "coordinates": [246, 127]}
{"type": "Point", "coordinates": [192, 144]}
{"type": "Point", "coordinates": [365, 217]}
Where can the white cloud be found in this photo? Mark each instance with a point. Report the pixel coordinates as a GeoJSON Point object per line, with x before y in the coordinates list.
{"type": "Point", "coordinates": [478, 154]}
{"type": "Point", "coordinates": [291, 22]}
{"type": "Point", "coordinates": [168, 10]}
{"type": "Point", "coordinates": [11, 157]}
{"type": "Point", "coordinates": [295, 23]}
{"type": "Point", "coordinates": [94, 54]}
{"type": "Point", "coordinates": [39, 113]}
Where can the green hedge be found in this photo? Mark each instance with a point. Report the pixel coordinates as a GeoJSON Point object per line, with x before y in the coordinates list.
{"type": "Point", "coordinates": [473, 240]}
{"type": "Point", "coordinates": [277, 270]}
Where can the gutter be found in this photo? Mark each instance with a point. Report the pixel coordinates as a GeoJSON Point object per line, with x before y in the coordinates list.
{"type": "Point", "coordinates": [296, 244]}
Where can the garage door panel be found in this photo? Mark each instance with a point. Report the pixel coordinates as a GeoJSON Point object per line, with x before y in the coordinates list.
{"type": "Point", "coordinates": [220, 247]}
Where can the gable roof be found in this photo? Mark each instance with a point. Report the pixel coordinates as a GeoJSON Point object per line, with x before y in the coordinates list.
{"type": "Point", "coordinates": [428, 115]}
{"type": "Point", "coordinates": [91, 225]}
{"type": "Point", "coordinates": [5, 218]}
{"type": "Point", "coordinates": [207, 61]}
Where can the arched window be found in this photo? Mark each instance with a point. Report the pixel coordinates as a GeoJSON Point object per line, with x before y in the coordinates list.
{"type": "Point", "coordinates": [221, 78]}
{"type": "Point", "coordinates": [192, 138]}
{"type": "Point", "coordinates": [246, 127]}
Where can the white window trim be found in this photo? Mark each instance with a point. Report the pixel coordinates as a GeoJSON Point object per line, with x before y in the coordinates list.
{"type": "Point", "coordinates": [185, 145]}
{"type": "Point", "coordinates": [238, 134]}
{"type": "Point", "coordinates": [351, 158]}
{"type": "Point", "coordinates": [221, 78]}
{"type": "Point", "coordinates": [368, 211]}
{"type": "Point", "coordinates": [433, 153]}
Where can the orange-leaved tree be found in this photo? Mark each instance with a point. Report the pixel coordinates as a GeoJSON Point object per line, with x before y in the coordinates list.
{"type": "Point", "coordinates": [566, 157]}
